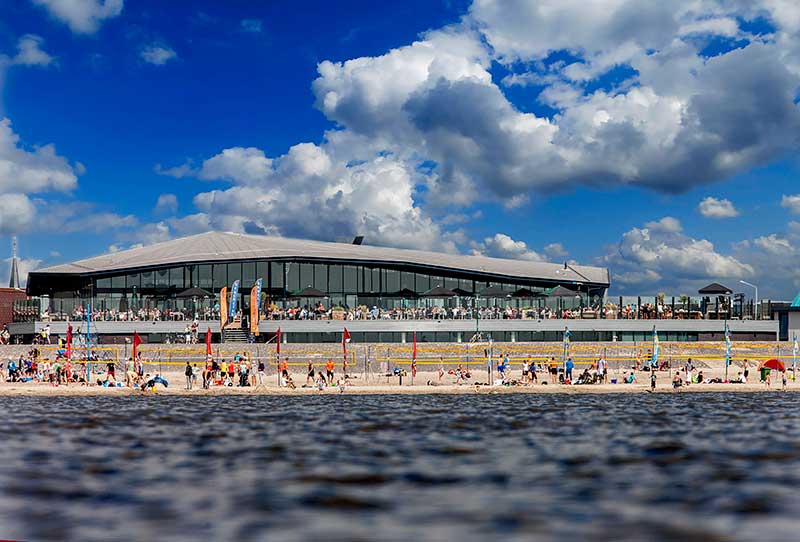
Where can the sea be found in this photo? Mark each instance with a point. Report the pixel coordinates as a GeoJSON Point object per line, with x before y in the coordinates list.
{"type": "Point", "coordinates": [630, 467]}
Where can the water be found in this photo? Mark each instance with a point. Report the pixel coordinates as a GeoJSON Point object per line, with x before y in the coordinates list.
{"type": "Point", "coordinates": [438, 467]}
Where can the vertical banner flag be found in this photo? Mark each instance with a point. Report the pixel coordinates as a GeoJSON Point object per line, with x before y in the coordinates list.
{"type": "Point", "coordinates": [136, 342]}
{"type": "Point", "coordinates": [414, 357]}
{"type": "Point", "coordinates": [727, 345]}
{"type": "Point", "coordinates": [567, 335]}
{"type": "Point", "coordinates": [234, 299]}
{"type": "Point", "coordinates": [278, 343]}
{"type": "Point", "coordinates": [255, 300]}
{"type": "Point", "coordinates": [223, 308]}
{"type": "Point", "coordinates": [208, 341]}
{"type": "Point", "coordinates": [69, 341]}
{"type": "Point", "coordinates": [656, 348]}
{"type": "Point", "coordinates": [795, 349]}
{"type": "Point", "coordinates": [345, 340]}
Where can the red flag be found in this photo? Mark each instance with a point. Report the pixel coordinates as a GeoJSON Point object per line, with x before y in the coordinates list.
{"type": "Point", "coordinates": [414, 357]}
{"type": "Point", "coordinates": [345, 340]}
{"type": "Point", "coordinates": [208, 342]}
{"type": "Point", "coordinates": [278, 343]}
{"type": "Point", "coordinates": [136, 342]}
{"type": "Point", "coordinates": [69, 341]}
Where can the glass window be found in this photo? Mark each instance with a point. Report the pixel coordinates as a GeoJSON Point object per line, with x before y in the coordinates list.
{"type": "Point", "coordinates": [118, 282]}
{"type": "Point", "coordinates": [192, 276]}
{"type": "Point", "coordinates": [176, 277]}
{"type": "Point", "coordinates": [276, 275]}
{"type": "Point", "coordinates": [220, 276]}
{"type": "Point", "coordinates": [103, 283]}
{"type": "Point", "coordinates": [262, 272]}
{"type": "Point", "coordinates": [162, 278]}
{"type": "Point", "coordinates": [450, 284]}
{"type": "Point", "coordinates": [306, 275]}
{"type": "Point", "coordinates": [234, 273]}
{"type": "Point", "coordinates": [133, 280]}
{"type": "Point", "coordinates": [407, 280]}
{"type": "Point", "coordinates": [376, 280]}
{"type": "Point", "coordinates": [205, 277]}
{"type": "Point", "coordinates": [148, 279]}
{"type": "Point", "coordinates": [350, 279]}
{"type": "Point", "coordinates": [392, 283]}
{"type": "Point", "coordinates": [292, 276]}
{"type": "Point", "coordinates": [334, 278]}
{"type": "Point", "coordinates": [423, 283]}
{"type": "Point", "coordinates": [248, 274]}
{"type": "Point", "coordinates": [321, 278]}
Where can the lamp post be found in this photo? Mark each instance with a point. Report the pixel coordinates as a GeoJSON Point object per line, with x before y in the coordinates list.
{"type": "Point", "coordinates": [755, 301]}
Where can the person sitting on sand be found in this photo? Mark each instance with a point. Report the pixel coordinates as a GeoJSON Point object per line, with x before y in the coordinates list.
{"type": "Point", "coordinates": [631, 378]}
{"type": "Point", "coordinates": [740, 379]}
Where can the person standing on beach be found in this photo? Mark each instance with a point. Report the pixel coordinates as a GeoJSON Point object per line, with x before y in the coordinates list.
{"type": "Point", "coordinates": [533, 377]}
{"type": "Point", "coordinates": [189, 376]}
{"type": "Point", "coordinates": [262, 372]}
{"type": "Point", "coordinates": [329, 366]}
{"type": "Point", "coordinates": [746, 368]}
{"type": "Point", "coordinates": [602, 369]}
{"type": "Point", "coordinates": [653, 380]}
{"type": "Point", "coordinates": [553, 367]}
{"type": "Point", "coordinates": [568, 366]}
{"type": "Point", "coordinates": [310, 373]}
{"type": "Point", "coordinates": [525, 371]}
{"type": "Point", "coordinates": [676, 382]}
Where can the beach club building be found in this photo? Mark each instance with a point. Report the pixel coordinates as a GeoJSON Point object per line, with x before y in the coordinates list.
{"type": "Point", "coordinates": [235, 284]}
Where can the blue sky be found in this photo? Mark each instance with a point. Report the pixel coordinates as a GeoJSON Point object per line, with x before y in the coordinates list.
{"type": "Point", "coordinates": [580, 132]}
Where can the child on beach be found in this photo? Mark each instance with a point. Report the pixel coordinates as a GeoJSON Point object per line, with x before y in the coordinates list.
{"type": "Point", "coordinates": [652, 380]}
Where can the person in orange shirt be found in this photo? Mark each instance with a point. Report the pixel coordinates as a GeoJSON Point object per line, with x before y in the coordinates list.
{"type": "Point", "coordinates": [329, 369]}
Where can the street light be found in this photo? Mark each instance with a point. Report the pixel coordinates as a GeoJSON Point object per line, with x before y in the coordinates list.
{"type": "Point", "coordinates": [755, 301]}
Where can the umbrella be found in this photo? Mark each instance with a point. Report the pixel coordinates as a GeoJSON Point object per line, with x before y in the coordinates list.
{"type": "Point", "coordinates": [439, 291]}
{"type": "Point", "coordinates": [715, 288]}
{"type": "Point", "coordinates": [493, 291]}
{"type": "Point", "coordinates": [405, 293]}
{"type": "Point", "coordinates": [525, 292]}
{"type": "Point", "coordinates": [308, 292]}
{"type": "Point", "coordinates": [461, 292]}
{"type": "Point", "coordinates": [773, 363]}
{"type": "Point", "coordinates": [560, 291]}
{"type": "Point", "coordinates": [193, 292]}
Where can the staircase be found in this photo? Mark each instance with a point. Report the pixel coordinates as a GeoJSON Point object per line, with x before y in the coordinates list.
{"type": "Point", "coordinates": [234, 335]}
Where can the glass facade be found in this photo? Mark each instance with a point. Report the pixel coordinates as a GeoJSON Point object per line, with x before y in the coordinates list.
{"type": "Point", "coordinates": [344, 285]}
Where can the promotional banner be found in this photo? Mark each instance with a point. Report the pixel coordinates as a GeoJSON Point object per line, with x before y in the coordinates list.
{"type": "Point", "coordinates": [69, 341]}
{"type": "Point", "coordinates": [278, 343]}
{"type": "Point", "coordinates": [208, 342]}
{"type": "Point", "coordinates": [223, 307]}
{"type": "Point", "coordinates": [234, 299]}
{"type": "Point", "coordinates": [255, 299]}
{"type": "Point", "coordinates": [656, 348]}
{"type": "Point", "coordinates": [345, 340]}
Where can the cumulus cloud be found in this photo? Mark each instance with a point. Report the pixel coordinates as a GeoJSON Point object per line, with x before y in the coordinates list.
{"type": "Point", "coordinates": [82, 16]}
{"type": "Point", "coordinates": [166, 203]}
{"type": "Point", "coordinates": [660, 254]}
{"type": "Point", "coordinates": [717, 208]}
{"type": "Point", "coordinates": [556, 251]}
{"type": "Point", "coordinates": [158, 54]}
{"type": "Point", "coordinates": [792, 203]}
{"type": "Point", "coordinates": [679, 111]}
{"type": "Point", "coordinates": [503, 246]}
{"type": "Point", "coordinates": [17, 213]}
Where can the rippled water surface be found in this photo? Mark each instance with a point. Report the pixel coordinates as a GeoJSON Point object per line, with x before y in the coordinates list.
{"type": "Point", "coordinates": [438, 467]}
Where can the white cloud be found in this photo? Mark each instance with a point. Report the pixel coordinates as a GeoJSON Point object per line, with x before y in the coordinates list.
{"type": "Point", "coordinates": [82, 16]}
{"type": "Point", "coordinates": [717, 208]}
{"type": "Point", "coordinates": [661, 255]}
{"type": "Point", "coordinates": [17, 213]}
{"type": "Point", "coordinates": [792, 203]}
{"type": "Point", "coordinates": [774, 245]}
{"type": "Point", "coordinates": [30, 53]}
{"type": "Point", "coordinates": [31, 171]}
{"type": "Point", "coordinates": [24, 266]}
{"type": "Point", "coordinates": [158, 54]}
{"type": "Point", "coordinates": [179, 172]}
{"type": "Point", "coordinates": [503, 246]}
{"type": "Point", "coordinates": [251, 25]}
{"type": "Point", "coordinates": [166, 203]}
{"type": "Point", "coordinates": [556, 251]}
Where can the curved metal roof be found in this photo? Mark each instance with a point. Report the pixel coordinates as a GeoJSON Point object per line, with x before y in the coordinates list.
{"type": "Point", "coordinates": [223, 246]}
